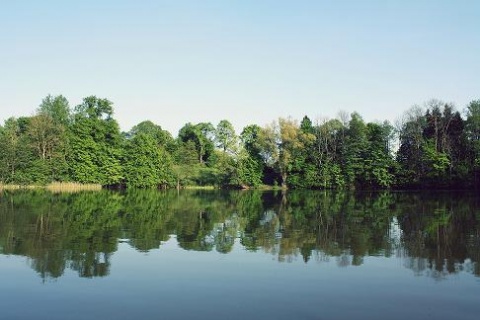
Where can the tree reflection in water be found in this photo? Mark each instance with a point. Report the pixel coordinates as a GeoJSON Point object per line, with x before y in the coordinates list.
{"type": "Point", "coordinates": [434, 234]}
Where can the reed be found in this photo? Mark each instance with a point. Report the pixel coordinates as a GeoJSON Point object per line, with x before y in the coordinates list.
{"type": "Point", "coordinates": [56, 187]}
{"type": "Point", "coordinates": [59, 187]}
{"type": "Point", "coordinates": [199, 187]}
{"type": "Point", "coordinates": [16, 187]}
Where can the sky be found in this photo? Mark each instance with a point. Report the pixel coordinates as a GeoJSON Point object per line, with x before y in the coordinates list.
{"type": "Point", "coordinates": [247, 61]}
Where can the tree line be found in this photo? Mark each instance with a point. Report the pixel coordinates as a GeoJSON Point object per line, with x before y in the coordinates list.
{"type": "Point", "coordinates": [430, 146]}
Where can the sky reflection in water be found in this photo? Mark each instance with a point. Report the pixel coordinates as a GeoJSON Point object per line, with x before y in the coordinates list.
{"type": "Point", "coordinates": [306, 255]}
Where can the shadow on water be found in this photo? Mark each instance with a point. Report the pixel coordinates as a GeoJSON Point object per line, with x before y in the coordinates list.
{"type": "Point", "coordinates": [434, 234]}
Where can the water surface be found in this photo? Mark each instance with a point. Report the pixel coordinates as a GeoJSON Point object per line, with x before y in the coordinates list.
{"type": "Point", "coordinates": [237, 255]}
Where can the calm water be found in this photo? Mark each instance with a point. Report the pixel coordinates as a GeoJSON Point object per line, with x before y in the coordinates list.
{"type": "Point", "coordinates": [239, 255]}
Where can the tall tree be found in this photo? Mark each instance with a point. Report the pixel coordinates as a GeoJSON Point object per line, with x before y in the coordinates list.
{"type": "Point", "coordinates": [95, 142]}
{"type": "Point", "coordinates": [11, 150]}
{"type": "Point", "coordinates": [186, 166]}
{"type": "Point", "coordinates": [473, 137]}
{"type": "Point", "coordinates": [250, 158]}
{"type": "Point", "coordinates": [444, 140]}
{"type": "Point", "coordinates": [48, 139]}
{"type": "Point", "coordinates": [225, 137]}
{"type": "Point", "coordinates": [268, 142]}
{"type": "Point", "coordinates": [162, 137]}
{"type": "Point", "coordinates": [378, 159]}
{"type": "Point", "coordinates": [249, 171]}
{"type": "Point", "coordinates": [250, 138]}
{"type": "Point", "coordinates": [44, 135]}
{"type": "Point", "coordinates": [354, 150]}
{"type": "Point", "coordinates": [303, 172]}
{"type": "Point", "coordinates": [147, 164]}
{"type": "Point", "coordinates": [409, 155]}
{"type": "Point", "coordinates": [202, 135]}
{"type": "Point", "coordinates": [327, 153]}
{"type": "Point", "coordinates": [56, 108]}
{"type": "Point", "coordinates": [279, 144]}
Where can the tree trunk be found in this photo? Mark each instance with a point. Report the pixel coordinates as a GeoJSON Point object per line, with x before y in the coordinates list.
{"type": "Point", "coordinates": [284, 180]}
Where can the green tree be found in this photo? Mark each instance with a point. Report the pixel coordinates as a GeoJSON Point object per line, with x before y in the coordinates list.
{"type": "Point", "coordinates": [225, 137]}
{"type": "Point", "coordinates": [56, 108]}
{"type": "Point", "coordinates": [95, 143]}
{"type": "Point", "coordinates": [162, 137]}
{"type": "Point", "coordinates": [303, 172]}
{"type": "Point", "coordinates": [48, 139]}
{"type": "Point", "coordinates": [268, 143]}
{"type": "Point", "coordinates": [444, 141]}
{"type": "Point", "coordinates": [473, 136]}
{"type": "Point", "coordinates": [186, 166]}
{"type": "Point", "coordinates": [410, 153]}
{"type": "Point", "coordinates": [436, 163]}
{"type": "Point", "coordinates": [250, 141]}
{"type": "Point", "coordinates": [378, 159]}
{"type": "Point", "coordinates": [280, 142]}
{"type": "Point", "coordinates": [250, 163]}
{"type": "Point", "coordinates": [354, 151]}
{"type": "Point", "coordinates": [16, 154]}
{"type": "Point", "coordinates": [327, 153]}
{"type": "Point", "coordinates": [249, 170]}
{"type": "Point", "coordinates": [202, 135]}
{"type": "Point", "coordinates": [146, 164]}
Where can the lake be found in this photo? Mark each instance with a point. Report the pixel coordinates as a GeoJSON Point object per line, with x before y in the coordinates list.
{"type": "Point", "coordinates": [147, 254]}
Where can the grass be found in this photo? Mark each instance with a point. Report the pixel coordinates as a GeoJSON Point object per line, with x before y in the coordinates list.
{"type": "Point", "coordinates": [56, 187]}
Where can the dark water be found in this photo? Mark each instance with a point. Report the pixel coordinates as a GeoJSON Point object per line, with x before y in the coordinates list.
{"type": "Point", "coordinates": [239, 255]}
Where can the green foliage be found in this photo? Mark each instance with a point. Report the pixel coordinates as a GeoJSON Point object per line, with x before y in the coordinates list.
{"type": "Point", "coordinates": [472, 133]}
{"type": "Point", "coordinates": [201, 135]}
{"type": "Point", "coordinates": [410, 150]}
{"type": "Point", "coordinates": [326, 154]}
{"type": "Point", "coordinates": [16, 154]}
{"type": "Point", "coordinates": [48, 139]}
{"type": "Point", "coordinates": [436, 148]}
{"type": "Point", "coordinates": [433, 148]}
{"type": "Point", "coordinates": [209, 176]}
{"type": "Point", "coordinates": [225, 137]}
{"type": "Point", "coordinates": [146, 164]}
{"type": "Point", "coordinates": [436, 162]}
{"type": "Point", "coordinates": [162, 137]}
{"type": "Point", "coordinates": [249, 172]}
{"type": "Point", "coordinates": [57, 108]}
{"type": "Point", "coordinates": [186, 167]}
{"type": "Point", "coordinates": [95, 142]}
{"type": "Point", "coordinates": [378, 160]}
{"type": "Point", "coordinates": [251, 162]}
{"type": "Point", "coordinates": [354, 151]}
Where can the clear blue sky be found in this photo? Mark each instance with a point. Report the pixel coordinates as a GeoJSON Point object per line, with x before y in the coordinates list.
{"type": "Point", "coordinates": [248, 61]}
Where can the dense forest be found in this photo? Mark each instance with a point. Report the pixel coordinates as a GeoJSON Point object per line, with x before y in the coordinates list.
{"type": "Point", "coordinates": [431, 146]}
